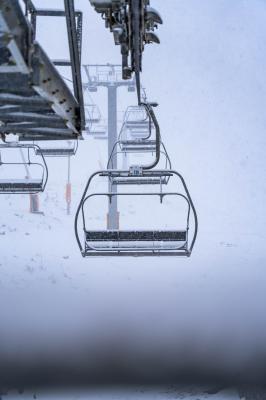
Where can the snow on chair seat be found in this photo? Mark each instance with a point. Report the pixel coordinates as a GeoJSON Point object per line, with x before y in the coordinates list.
{"type": "Point", "coordinates": [22, 169]}
{"type": "Point", "coordinates": [138, 145]}
{"type": "Point", "coordinates": [57, 151]}
{"type": "Point", "coordinates": [140, 181]}
{"type": "Point", "coordinates": [20, 185]}
{"type": "Point", "coordinates": [133, 235]}
{"type": "Point", "coordinates": [136, 241]}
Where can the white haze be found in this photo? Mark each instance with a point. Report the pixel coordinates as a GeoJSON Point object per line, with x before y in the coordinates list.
{"type": "Point", "coordinates": [208, 76]}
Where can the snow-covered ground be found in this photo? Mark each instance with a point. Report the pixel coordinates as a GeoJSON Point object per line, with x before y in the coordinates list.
{"type": "Point", "coordinates": [141, 318]}
{"type": "Point", "coordinates": [135, 393]}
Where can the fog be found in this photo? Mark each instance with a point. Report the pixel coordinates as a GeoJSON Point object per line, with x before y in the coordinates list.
{"type": "Point", "coordinates": [68, 319]}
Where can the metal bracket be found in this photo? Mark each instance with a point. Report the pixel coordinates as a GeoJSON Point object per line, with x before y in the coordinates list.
{"type": "Point", "coordinates": [135, 170]}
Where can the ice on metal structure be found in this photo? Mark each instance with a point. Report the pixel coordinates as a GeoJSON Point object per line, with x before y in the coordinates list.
{"type": "Point", "coordinates": [35, 101]}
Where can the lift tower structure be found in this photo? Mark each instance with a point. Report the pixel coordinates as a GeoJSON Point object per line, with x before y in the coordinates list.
{"type": "Point", "coordinates": [110, 77]}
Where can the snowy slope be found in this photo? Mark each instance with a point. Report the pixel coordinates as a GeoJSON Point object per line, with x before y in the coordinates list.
{"type": "Point", "coordinates": [137, 393]}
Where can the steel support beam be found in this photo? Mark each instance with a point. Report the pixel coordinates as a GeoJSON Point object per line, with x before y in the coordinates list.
{"type": "Point", "coordinates": [113, 216]}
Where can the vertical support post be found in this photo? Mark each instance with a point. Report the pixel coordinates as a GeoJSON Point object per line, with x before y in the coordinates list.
{"type": "Point", "coordinates": [74, 55]}
{"type": "Point", "coordinates": [34, 198]}
{"type": "Point", "coordinates": [113, 215]}
{"type": "Point", "coordinates": [68, 188]}
{"type": "Point", "coordinates": [126, 156]}
{"type": "Point", "coordinates": [34, 204]}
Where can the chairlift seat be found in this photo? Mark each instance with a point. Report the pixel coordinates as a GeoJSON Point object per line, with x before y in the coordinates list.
{"type": "Point", "coordinates": [138, 148]}
{"type": "Point", "coordinates": [56, 151]}
{"type": "Point", "coordinates": [93, 120]}
{"type": "Point", "coordinates": [137, 124]}
{"type": "Point", "coordinates": [140, 181]}
{"type": "Point", "coordinates": [151, 240]}
{"type": "Point", "coordinates": [139, 133]}
{"type": "Point", "coordinates": [139, 142]}
{"type": "Point", "coordinates": [138, 145]}
{"type": "Point", "coordinates": [98, 133]}
{"type": "Point", "coordinates": [21, 185]}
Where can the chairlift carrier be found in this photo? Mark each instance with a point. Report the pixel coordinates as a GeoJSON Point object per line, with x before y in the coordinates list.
{"type": "Point", "coordinates": [136, 242]}
{"type": "Point", "coordinates": [27, 185]}
{"type": "Point", "coordinates": [148, 179]}
{"type": "Point", "coordinates": [138, 128]}
{"type": "Point", "coordinates": [153, 145]}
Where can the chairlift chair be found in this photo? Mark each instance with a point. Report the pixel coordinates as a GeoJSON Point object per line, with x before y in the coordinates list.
{"type": "Point", "coordinates": [58, 150]}
{"type": "Point", "coordinates": [141, 145]}
{"type": "Point", "coordinates": [144, 242]}
{"type": "Point", "coordinates": [137, 122]}
{"type": "Point", "coordinates": [93, 114]}
{"type": "Point", "coordinates": [135, 113]}
{"type": "Point", "coordinates": [26, 184]}
{"type": "Point", "coordinates": [134, 175]}
{"type": "Point", "coordinates": [148, 179]}
{"type": "Point", "coordinates": [137, 130]}
{"type": "Point", "coordinates": [98, 132]}
{"type": "Point", "coordinates": [139, 179]}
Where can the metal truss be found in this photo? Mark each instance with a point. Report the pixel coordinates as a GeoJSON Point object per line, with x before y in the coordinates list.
{"type": "Point", "coordinates": [35, 101]}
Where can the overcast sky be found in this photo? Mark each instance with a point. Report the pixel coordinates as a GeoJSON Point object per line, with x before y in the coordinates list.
{"type": "Point", "coordinates": [208, 75]}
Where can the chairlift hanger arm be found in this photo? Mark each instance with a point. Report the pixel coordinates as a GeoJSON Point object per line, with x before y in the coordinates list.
{"type": "Point", "coordinates": [75, 56]}
{"type": "Point", "coordinates": [152, 122]}
{"type": "Point", "coordinates": [132, 23]}
{"type": "Point", "coordinates": [150, 112]}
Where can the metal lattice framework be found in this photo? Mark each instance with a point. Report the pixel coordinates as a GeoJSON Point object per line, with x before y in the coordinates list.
{"type": "Point", "coordinates": [35, 101]}
{"type": "Point", "coordinates": [104, 75]}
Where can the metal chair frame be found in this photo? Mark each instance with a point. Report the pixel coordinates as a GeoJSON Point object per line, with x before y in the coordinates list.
{"type": "Point", "coordinates": [139, 146]}
{"type": "Point", "coordinates": [24, 188]}
{"type": "Point", "coordinates": [98, 135]}
{"type": "Point", "coordinates": [153, 120]}
{"type": "Point", "coordinates": [143, 180]}
{"type": "Point", "coordinates": [58, 151]}
{"type": "Point", "coordinates": [93, 114]}
{"type": "Point", "coordinates": [150, 250]}
{"type": "Point", "coordinates": [131, 124]}
{"type": "Point", "coordinates": [140, 180]}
